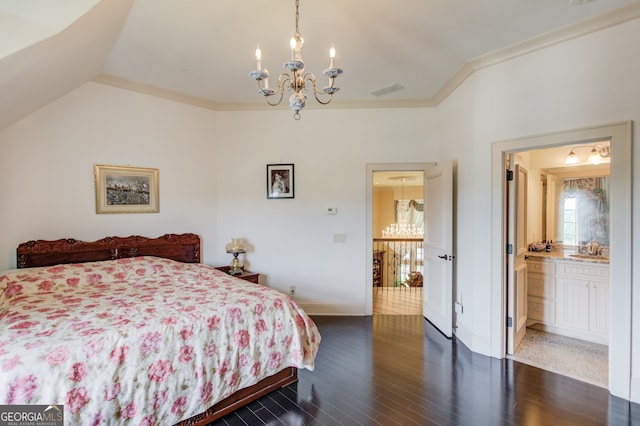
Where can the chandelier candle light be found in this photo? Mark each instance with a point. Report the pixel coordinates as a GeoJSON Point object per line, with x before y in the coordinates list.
{"type": "Point", "coordinates": [295, 78]}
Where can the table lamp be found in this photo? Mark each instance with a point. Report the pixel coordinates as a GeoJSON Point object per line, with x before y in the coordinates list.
{"type": "Point", "coordinates": [235, 247]}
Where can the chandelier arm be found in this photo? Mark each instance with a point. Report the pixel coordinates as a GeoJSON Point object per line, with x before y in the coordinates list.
{"type": "Point", "coordinates": [280, 89]}
{"type": "Point", "coordinates": [268, 97]}
{"type": "Point", "coordinates": [320, 101]}
{"type": "Point", "coordinates": [262, 88]}
{"type": "Point", "coordinates": [312, 79]}
{"type": "Point", "coordinates": [308, 76]}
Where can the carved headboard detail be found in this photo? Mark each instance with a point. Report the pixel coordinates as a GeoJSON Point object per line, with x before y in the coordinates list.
{"type": "Point", "coordinates": [180, 247]}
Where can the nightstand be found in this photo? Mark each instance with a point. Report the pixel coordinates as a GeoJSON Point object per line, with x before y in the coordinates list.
{"type": "Point", "coordinates": [252, 277]}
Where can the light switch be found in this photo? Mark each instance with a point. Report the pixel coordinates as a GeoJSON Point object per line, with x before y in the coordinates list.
{"type": "Point", "coordinates": [332, 210]}
{"type": "Point", "coordinates": [339, 238]}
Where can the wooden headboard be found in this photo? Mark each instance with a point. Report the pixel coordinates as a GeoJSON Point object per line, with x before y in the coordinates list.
{"type": "Point", "coordinates": [180, 247]}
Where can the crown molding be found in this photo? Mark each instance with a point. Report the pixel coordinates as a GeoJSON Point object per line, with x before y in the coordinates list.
{"type": "Point", "coordinates": [551, 38]}
{"type": "Point", "coordinates": [548, 39]}
{"type": "Point", "coordinates": [560, 35]}
{"type": "Point", "coordinates": [147, 89]}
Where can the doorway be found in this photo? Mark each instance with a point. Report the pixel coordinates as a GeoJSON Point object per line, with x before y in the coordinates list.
{"type": "Point", "coordinates": [398, 249]}
{"type": "Point", "coordinates": [438, 256]}
{"type": "Point", "coordinates": [382, 221]}
{"type": "Point", "coordinates": [620, 265]}
{"type": "Point", "coordinates": [564, 210]}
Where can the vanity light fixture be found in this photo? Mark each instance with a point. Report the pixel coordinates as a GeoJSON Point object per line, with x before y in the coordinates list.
{"type": "Point", "coordinates": [598, 152]}
{"type": "Point", "coordinates": [295, 78]}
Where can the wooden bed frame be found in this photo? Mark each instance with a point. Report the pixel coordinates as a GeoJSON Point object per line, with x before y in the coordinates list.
{"type": "Point", "coordinates": [180, 247]}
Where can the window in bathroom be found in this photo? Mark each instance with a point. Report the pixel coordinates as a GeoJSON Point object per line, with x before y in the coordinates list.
{"type": "Point", "coordinates": [570, 224]}
{"type": "Point", "coordinates": [585, 211]}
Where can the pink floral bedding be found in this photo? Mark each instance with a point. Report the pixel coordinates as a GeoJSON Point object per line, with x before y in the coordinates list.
{"type": "Point", "coordinates": [143, 340]}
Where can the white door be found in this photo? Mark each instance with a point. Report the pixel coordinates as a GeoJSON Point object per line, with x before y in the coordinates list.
{"type": "Point", "coordinates": [437, 306]}
{"type": "Point", "coordinates": [516, 263]}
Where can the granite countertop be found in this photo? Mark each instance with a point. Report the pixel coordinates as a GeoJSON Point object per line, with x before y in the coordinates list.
{"type": "Point", "coordinates": [563, 254]}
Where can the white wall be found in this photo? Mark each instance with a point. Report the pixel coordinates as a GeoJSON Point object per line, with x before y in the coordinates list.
{"type": "Point", "coordinates": [212, 181]}
{"type": "Point", "coordinates": [293, 238]}
{"type": "Point", "coordinates": [583, 82]}
{"type": "Point", "coordinates": [212, 169]}
{"type": "Point", "coordinates": [46, 168]}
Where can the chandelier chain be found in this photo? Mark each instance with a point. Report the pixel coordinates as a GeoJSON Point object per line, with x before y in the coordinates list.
{"type": "Point", "coordinates": [297, 18]}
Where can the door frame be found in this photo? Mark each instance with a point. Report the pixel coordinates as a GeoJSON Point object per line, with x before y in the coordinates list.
{"type": "Point", "coordinates": [621, 177]}
{"type": "Point", "coordinates": [370, 168]}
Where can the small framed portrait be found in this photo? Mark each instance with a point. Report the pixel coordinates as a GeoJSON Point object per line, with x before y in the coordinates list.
{"type": "Point", "coordinates": [280, 181]}
{"type": "Point", "coordinates": [126, 189]}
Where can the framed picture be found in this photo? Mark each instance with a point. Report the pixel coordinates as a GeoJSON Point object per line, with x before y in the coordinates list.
{"type": "Point", "coordinates": [280, 183]}
{"type": "Point", "coordinates": [126, 189]}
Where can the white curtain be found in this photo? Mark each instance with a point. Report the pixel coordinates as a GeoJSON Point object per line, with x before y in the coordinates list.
{"type": "Point", "coordinates": [410, 212]}
{"type": "Point", "coordinates": [592, 196]}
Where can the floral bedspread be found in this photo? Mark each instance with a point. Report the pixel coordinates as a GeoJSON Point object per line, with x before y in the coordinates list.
{"type": "Point", "coordinates": [142, 341]}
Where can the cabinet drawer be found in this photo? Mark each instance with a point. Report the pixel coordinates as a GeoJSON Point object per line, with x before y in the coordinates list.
{"type": "Point", "coordinates": [541, 310]}
{"type": "Point", "coordinates": [584, 269]}
{"type": "Point", "coordinates": [541, 267]}
{"type": "Point", "coordinates": [542, 286]}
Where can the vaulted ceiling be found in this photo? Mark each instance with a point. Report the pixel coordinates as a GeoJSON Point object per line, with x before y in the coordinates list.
{"type": "Point", "coordinates": [201, 51]}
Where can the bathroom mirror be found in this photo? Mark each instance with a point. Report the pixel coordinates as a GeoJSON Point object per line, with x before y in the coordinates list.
{"type": "Point", "coordinates": [577, 205]}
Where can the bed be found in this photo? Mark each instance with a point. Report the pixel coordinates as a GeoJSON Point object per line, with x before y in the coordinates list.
{"type": "Point", "coordinates": [136, 330]}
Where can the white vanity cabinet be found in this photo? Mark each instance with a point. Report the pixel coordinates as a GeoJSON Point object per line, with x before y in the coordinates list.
{"type": "Point", "coordinates": [569, 298]}
{"type": "Point", "coordinates": [583, 300]}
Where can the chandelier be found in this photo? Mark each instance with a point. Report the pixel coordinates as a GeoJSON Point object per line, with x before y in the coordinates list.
{"type": "Point", "coordinates": [295, 78]}
{"type": "Point", "coordinates": [402, 229]}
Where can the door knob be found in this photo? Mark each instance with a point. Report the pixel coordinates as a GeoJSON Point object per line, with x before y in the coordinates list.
{"type": "Point", "coordinates": [444, 256]}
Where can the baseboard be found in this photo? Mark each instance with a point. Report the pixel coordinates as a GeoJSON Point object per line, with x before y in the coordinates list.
{"type": "Point", "coordinates": [331, 308]}
{"type": "Point", "coordinates": [635, 390]}
{"type": "Point", "coordinates": [564, 331]}
{"type": "Point", "coordinates": [475, 343]}
{"type": "Point", "coordinates": [463, 334]}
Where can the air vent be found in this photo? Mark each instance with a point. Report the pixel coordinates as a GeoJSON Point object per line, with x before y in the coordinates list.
{"type": "Point", "coordinates": [388, 89]}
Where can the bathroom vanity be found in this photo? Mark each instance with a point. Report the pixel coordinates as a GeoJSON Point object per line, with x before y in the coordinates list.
{"type": "Point", "coordinates": [568, 294]}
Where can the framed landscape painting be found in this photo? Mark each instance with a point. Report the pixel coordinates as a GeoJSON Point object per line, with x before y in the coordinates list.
{"type": "Point", "coordinates": [280, 182]}
{"type": "Point", "coordinates": [122, 189]}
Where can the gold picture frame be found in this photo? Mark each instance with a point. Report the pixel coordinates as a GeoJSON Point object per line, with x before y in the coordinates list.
{"type": "Point", "coordinates": [121, 189]}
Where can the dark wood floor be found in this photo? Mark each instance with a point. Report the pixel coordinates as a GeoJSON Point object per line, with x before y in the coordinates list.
{"type": "Point", "coordinates": [399, 370]}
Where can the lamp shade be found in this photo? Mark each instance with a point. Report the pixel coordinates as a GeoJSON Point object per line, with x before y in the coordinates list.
{"type": "Point", "coordinates": [235, 246]}
{"type": "Point", "coordinates": [594, 157]}
{"type": "Point", "coordinates": [572, 158]}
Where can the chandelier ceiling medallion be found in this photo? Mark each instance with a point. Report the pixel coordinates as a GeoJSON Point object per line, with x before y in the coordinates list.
{"type": "Point", "coordinates": [295, 78]}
